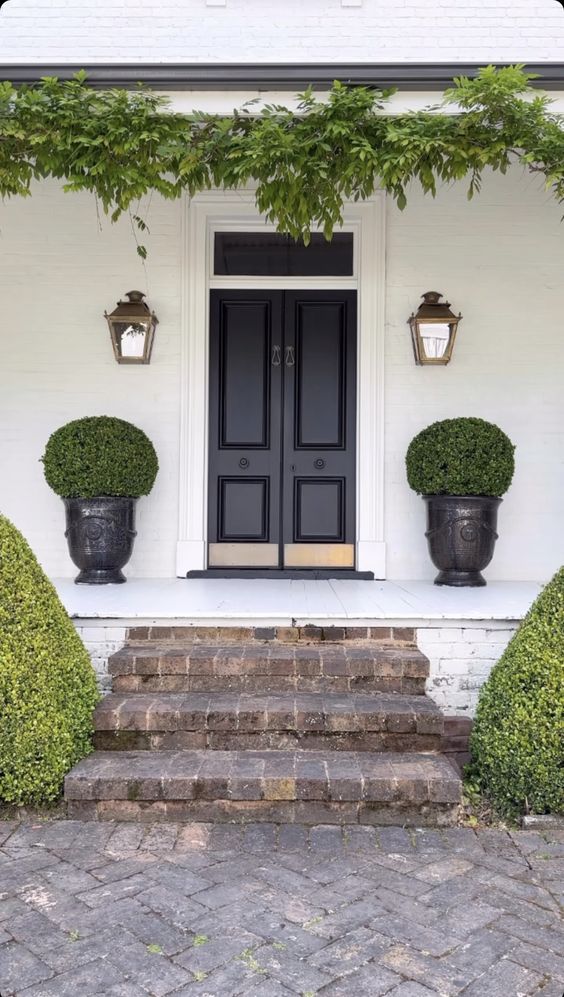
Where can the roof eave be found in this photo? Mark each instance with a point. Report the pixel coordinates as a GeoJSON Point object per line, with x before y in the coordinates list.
{"type": "Point", "coordinates": [271, 76]}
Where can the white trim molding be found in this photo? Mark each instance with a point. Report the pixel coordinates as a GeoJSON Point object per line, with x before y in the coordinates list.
{"type": "Point", "coordinates": [229, 210]}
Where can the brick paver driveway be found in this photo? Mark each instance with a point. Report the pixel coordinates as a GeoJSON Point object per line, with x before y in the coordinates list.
{"type": "Point", "coordinates": [267, 911]}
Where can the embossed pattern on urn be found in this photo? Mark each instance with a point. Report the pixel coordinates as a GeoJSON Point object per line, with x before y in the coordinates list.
{"type": "Point", "coordinates": [100, 534]}
{"type": "Point", "coordinates": [461, 535]}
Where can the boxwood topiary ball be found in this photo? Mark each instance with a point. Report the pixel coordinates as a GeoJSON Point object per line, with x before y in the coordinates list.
{"type": "Point", "coordinates": [100, 455]}
{"type": "Point", "coordinates": [463, 456]}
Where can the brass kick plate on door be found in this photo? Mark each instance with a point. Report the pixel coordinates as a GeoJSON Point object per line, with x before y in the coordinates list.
{"type": "Point", "coordinates": [243, 555]}
{"type": "Point", "coordinates": [319, 555]}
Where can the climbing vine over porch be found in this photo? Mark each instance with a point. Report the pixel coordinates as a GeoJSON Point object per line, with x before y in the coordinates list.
{"type": "Point", "coordinates": [122, 145]}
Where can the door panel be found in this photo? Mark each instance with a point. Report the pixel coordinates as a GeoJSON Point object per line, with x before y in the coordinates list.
{"type": "Point", "coordinates": [320, 392]}
{"type": "Point", "coordinates": [243, 509]}
{"type": "Point", "coordinates": [318, 478]}
{"type": "Point", "coordinates": [245, 418]}
{"type": "Point", "coordinates": [319, 509]}
{"type": "Point", "coordinates": [244, 368]}
{"type": "Point", "coordinates": [282, 429]}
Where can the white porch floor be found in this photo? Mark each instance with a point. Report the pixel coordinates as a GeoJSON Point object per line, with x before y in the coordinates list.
{"type": "Point", "coordinates": [289, 602]}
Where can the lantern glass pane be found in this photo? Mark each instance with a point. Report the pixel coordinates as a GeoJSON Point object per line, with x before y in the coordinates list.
{"type": "Point", "coordinates": [131, 338]}
{"type": "Point", "coordinates": [434, 337]}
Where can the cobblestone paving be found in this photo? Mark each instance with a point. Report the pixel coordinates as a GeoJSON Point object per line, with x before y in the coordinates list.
{"type": "Point", "coordinates": [265, 911]}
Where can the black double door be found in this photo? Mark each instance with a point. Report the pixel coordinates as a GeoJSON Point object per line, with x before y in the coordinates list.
{"type": "Point", "coordinates": [282, 426]}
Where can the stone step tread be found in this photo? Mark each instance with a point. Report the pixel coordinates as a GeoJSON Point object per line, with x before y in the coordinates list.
{"type": "Point", "coordinates": [280, 659]}
{"type": "Point", "coordinates": [268, 648]}
{"type": "Point", "coordinates": [264, 775]}
{"type": "Point", "coordinates": [252, 712]}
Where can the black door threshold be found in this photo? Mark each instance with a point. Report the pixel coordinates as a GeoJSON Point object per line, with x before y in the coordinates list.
{"type": "Point", "coordinates": [313, 574]}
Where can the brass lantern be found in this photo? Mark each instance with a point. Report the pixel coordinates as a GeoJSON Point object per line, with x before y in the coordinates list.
{"type": "Point", "coordinates": [433, 330]}
{"type": "Point", "coordinates": [132, 328]}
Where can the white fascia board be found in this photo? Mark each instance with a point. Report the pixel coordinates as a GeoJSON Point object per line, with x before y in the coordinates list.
{"type": "Point", "coordinates": [218, 102]}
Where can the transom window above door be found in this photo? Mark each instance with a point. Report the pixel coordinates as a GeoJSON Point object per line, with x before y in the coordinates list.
{"type": "Point", "coordinates": [269, 254]}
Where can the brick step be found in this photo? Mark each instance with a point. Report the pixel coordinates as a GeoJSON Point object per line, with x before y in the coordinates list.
{"type": "Point", "coordinates": [268, 667]}
{"type": "Point", "coordinates": [232, 720]}
{"type": "Point", "coordinates": [400, 636]}
{"type": "Point", "coordinates": [286, 786]}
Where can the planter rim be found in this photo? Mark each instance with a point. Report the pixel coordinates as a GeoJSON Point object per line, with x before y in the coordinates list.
{"type": "Point", "coordinates": [100, 498]}
{"type": "Point", "coordinates": [447, 495]}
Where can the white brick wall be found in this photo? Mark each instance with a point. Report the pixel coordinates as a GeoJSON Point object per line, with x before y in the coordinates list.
{"type": "Point", "coordinates": [461, 659]}
{"type": "Point", "coordinates": [500, 260]}
{"type": "Point", "coordinates": [100, 642]}
{"type": "Point", "coordinates": [58, 272]}
{"type": "Point", "coordinates": [82, 31]}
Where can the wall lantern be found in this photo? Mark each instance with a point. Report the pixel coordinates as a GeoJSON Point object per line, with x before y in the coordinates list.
{"type": "Point", "coordinates": [132, 327]}
{"type": "Point", "coordinates": [433, 330]}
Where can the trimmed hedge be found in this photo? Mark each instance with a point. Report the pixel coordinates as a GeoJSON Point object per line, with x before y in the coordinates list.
{"type": "Point", "coordinates": [47, 684]}
{"type": "Point", "coordinates": [100, 455]}
{"type": "Point", "coordinates": [463, 456]}
{"type": "Point", "coordinates": [517, 743]}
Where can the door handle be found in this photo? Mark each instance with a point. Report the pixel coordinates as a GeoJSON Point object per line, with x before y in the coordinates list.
{"type": "Point", "coordinates": [290, 356]}
{"type": "Point", "coordinates": [276, 358]}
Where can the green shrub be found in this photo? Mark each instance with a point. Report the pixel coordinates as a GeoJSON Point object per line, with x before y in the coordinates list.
{"type": "Point", "coordinates": [100, 455]}
{"type": "Point", "coordinates": [460, 457]}
{"type": "Point", "coordinates": [517, 742]}
{"type": "Point", "coordinates": [47, 683]}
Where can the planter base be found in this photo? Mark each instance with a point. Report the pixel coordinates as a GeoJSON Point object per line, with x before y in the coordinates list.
{"type": "Point", "coordinates": [460, 578]}
{"type": "Point", "coordinates": [92, 577]}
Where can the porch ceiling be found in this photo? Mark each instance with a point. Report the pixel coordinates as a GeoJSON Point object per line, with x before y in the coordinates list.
{"type": "Point", "coordinates": [289, 602]}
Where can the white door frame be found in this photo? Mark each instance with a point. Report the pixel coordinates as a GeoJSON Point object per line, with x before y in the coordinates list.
{"type": "Point", "coordinates": [236, 210]}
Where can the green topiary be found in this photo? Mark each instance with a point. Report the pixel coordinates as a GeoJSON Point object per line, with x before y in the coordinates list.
{"type": "Point", "coordinates": [100, 455]}
{"type": "Point", "coordinates": [517, 742]}
{"type": "Point", "coordinates": [47, 684]}
{"type": "Point", "coordinates": [460, 457]}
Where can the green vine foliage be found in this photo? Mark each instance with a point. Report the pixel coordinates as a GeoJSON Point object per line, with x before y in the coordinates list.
{"type": "Point", "coordinates": [122, 145]}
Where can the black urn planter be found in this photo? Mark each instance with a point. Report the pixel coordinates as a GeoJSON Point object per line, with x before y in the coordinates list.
{"type": "Point", "coordinates": [461, 534]}
{"type": "Point", "coordinates": [100, 534]}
